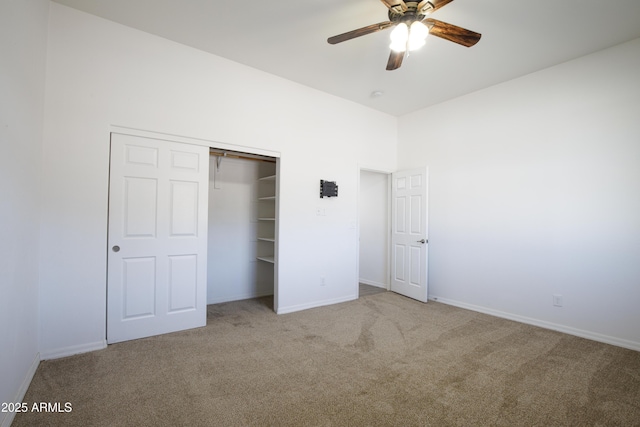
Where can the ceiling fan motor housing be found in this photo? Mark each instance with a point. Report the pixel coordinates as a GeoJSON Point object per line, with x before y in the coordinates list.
{"type": "Point", "coordinates": [408, 11]}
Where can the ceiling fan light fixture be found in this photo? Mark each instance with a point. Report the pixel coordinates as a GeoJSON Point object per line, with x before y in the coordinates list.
{"type": "Point", "coordinates": [417, 35]}
{"type": "Point", "coordinates": [404, 37]}
{"type": "Point", "coordinates": [399, 37]}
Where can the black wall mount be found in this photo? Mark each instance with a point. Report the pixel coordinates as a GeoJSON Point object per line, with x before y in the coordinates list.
{"type": "Point", "coordinates": [328, 189]}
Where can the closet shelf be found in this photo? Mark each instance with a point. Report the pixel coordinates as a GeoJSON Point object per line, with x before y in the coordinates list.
{"type": "Point", "coordinates": [265, 232]}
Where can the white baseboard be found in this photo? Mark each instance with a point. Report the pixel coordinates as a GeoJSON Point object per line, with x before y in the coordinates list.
{"type": "Point", "coordinates": [74, 349]}
{"type": "Point", "coordinates": [300, 307]}
{"type": "Point", "coordinates": [9, 416]}
{"type": "Point", "coordinates": [373, 283]}
{"type": "Point", "coordinates": [594, 336]}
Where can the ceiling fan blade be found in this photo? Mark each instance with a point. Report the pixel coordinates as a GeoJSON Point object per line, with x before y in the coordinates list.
{"type": "Point", "coordinates": [397, 6]}
{"type": "Point", "coordinates": [452, 33]}
{"type": "Point", "coordinates": [395, 60]}
{"type": "Point", "coordinates": [437, 4]}
{"type": "Point", "coordinates": [359, 32]}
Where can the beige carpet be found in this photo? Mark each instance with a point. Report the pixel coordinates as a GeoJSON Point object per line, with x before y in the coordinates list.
{"type": "Point", "coordinates": [366, 290]}
{"type": "Point", "coordinates": [383, 360]}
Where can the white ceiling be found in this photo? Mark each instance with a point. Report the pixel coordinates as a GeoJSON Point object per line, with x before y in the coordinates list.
{"type": "Point", "coordinates": [288, 38]}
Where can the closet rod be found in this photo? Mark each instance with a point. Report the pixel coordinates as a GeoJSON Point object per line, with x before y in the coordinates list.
{"type": "Point", "coordinates": [239, 156]}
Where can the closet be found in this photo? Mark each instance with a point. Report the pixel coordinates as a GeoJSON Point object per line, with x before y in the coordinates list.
{"type": "Point", "coordinates": [242, 226]}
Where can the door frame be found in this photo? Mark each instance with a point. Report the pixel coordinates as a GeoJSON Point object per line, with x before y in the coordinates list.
{"type": "Point", "coordinates": [389, 174]}
{"type": "Point", "coordinates": [362, 168]}
{"type": "Point", "coordinates": [219, 146]}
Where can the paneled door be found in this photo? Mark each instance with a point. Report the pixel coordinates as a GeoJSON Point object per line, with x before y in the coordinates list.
{"type": "Point", "coordinates": [409, 235]}
{"type": "Point", "coordinates": [157, 243]}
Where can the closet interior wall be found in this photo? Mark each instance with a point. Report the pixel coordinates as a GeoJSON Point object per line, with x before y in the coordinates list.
{"type": "Point", "coordinates": [235, 271]}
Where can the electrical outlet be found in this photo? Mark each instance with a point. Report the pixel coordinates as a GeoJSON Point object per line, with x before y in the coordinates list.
{"type": "Point", "coordinates": [557, 300]}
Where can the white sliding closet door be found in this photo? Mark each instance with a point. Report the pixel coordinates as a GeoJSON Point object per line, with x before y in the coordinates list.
{"type": "Point", "coordinates": [157, 253]}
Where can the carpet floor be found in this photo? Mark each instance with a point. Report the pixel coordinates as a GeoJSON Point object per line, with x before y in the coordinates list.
{"type": "Point", "coordinates": [382, 360]}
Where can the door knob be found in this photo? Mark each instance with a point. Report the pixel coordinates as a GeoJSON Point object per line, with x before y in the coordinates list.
{"type": "Point", "coordinates": [116, 248]}
{"type": "Point", "coordinates": [423, 241]}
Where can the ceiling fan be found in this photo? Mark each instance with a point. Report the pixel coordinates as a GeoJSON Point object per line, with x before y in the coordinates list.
{"type": "Point", "coordinates": [411, 28]}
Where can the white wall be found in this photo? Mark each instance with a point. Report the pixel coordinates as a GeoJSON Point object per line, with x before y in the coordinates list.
{"type": "Point", "coordinates": [101, 74]}
{"type": "Point", "coordinates": [374, 228]}
{"type": "Point", "coordinates": [534, 191]}
{"type": "Point", "coordinates": [23, 31]}
{"type": "Point", "coordinates": [234, 273]}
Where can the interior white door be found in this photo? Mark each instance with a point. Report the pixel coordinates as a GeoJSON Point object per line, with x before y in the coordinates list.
{"type": "Point", "coordinates": [157, 253]}
{"type": "Point", "coordinates": [409, 238]}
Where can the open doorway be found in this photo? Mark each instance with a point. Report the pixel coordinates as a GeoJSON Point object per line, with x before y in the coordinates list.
{"type": "Point", "coordinates": [242, 226]}
{"type": "Point", "coordinates": [374, 217]}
